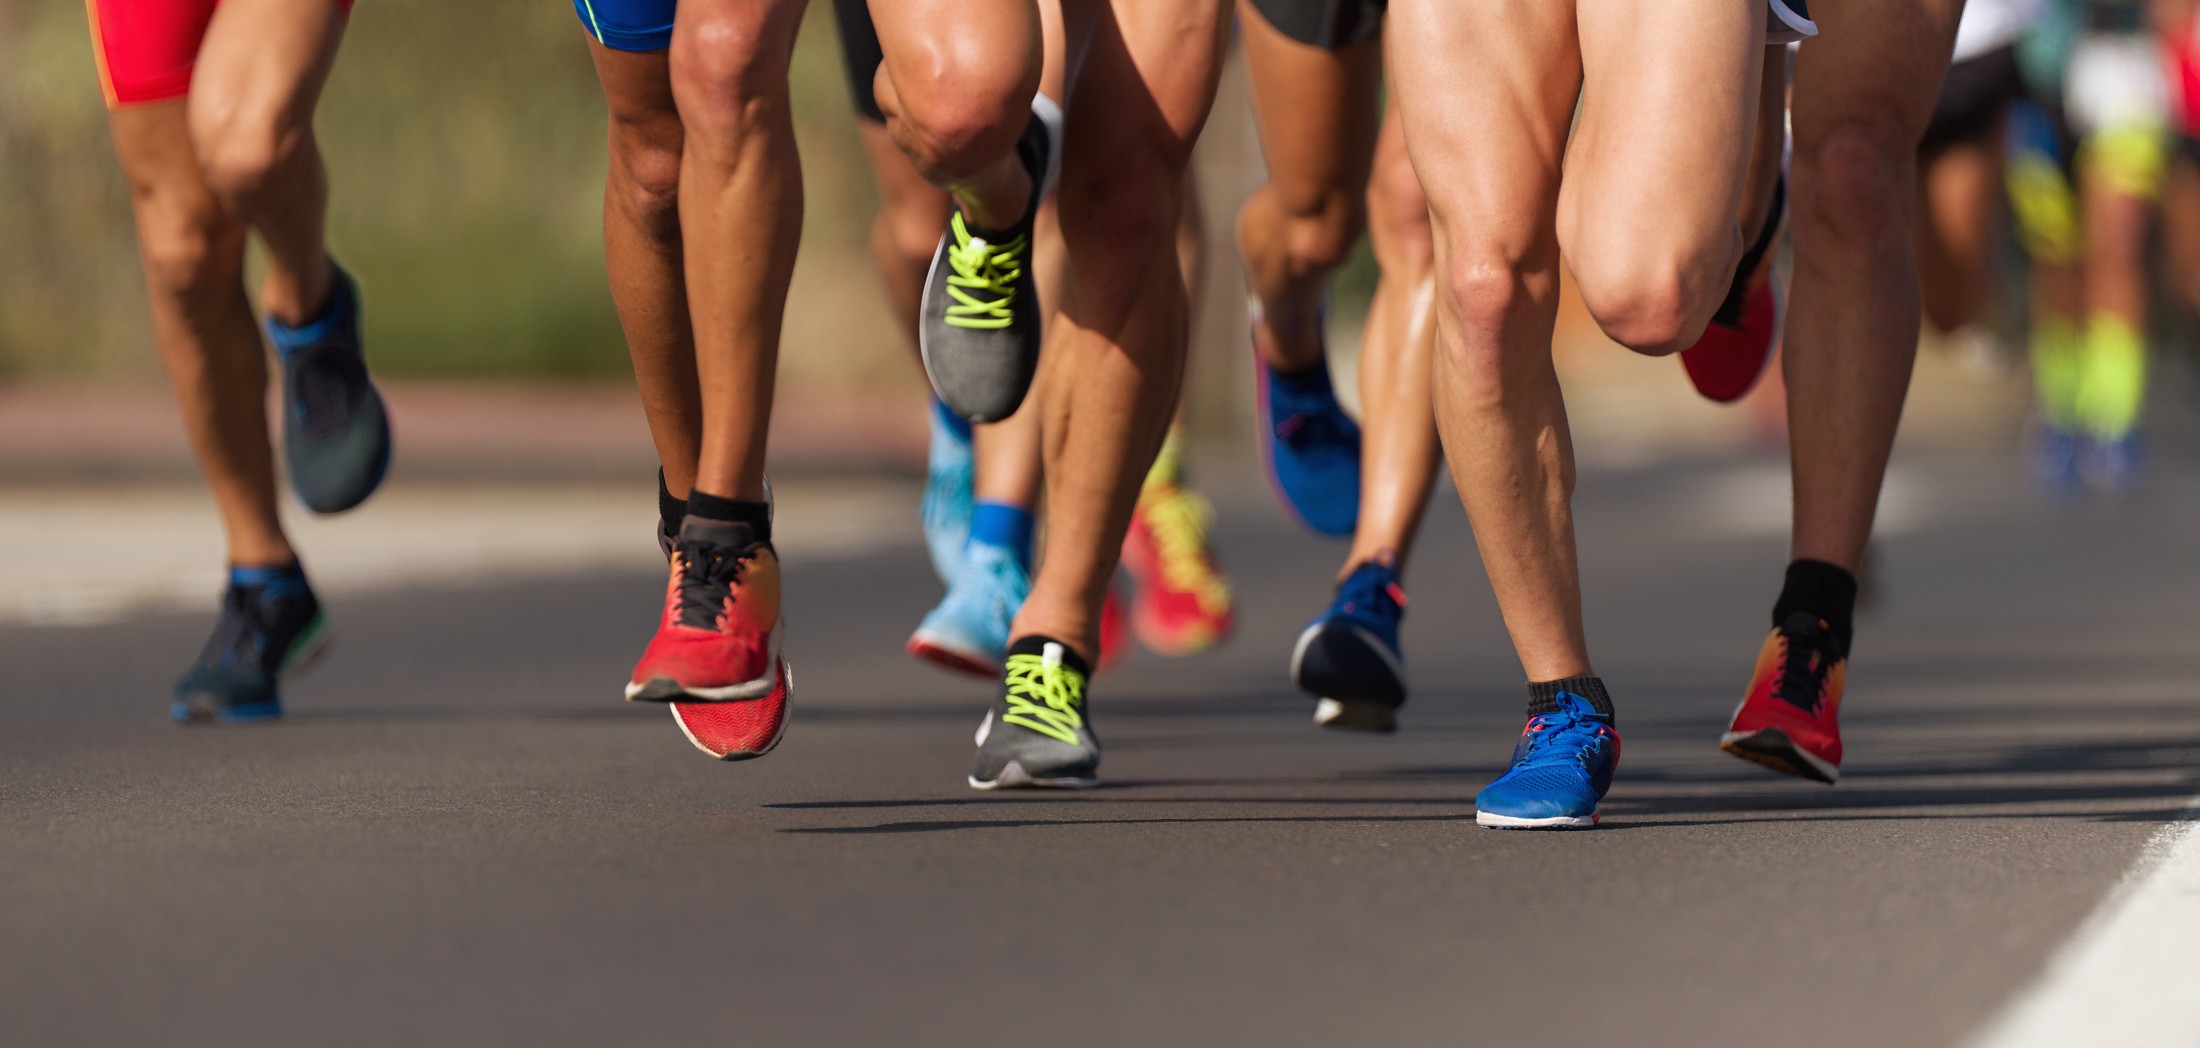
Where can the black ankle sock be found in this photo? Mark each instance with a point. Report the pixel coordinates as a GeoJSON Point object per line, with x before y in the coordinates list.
{"type": "Point", "coordinates": [1543, 695]}
{"type": "Point", "coordinates": [1036, 644]}
{"type": "Point", "coordinates": [1823, 590]}
{"type": "Point", "coordinates": [671, 511]}
{"type": "Point", "coordinates": [755, 513]}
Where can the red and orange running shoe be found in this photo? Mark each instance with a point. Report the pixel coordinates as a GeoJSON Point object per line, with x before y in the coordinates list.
{"type": "Point", "coordinates": [738, 731]}
{"type": "Point", "coordinates": [1788, 719]}
{"type": "Point", "coordinates": [1181, 604]}
{"type": "Point", "coordinates": [1731, 355]}
{"type": "Point", "coordinates": [719, 638]}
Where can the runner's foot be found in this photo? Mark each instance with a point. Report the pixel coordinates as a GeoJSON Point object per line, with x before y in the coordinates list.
{"type": "Point", "coordinates": [949, 475]}
{"type": "Point", "coordinates": [1181, 602]}
{"type": "Point", "coordinates": [1561, 769]}
{"type": "Point", "coordinates": [1731, 355]}
{"type": "Point", "coordinates": [718, 638]}
{"type": "Point", "coordinates": [1311, 448]}
{"type": "Point", "coordinates": [270, 623]}
{"type": "Point", "coordinates": [1788, 719]}
{"type": "Point", "coordinates": [1038, 733]}
{"type": "Point", "coordinates": [968, 632]}
{"type": "Point", "coordinates": [980, 330]}
{"type": "Point", "coordinates": [738, 731]}
{"type": "Point", "coordinates": [336, 437]}
{"type": "Point", "coordinates": [1348, 656]}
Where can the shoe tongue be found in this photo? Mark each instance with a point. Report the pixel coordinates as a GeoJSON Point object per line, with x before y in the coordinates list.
{"type": "Point", "coordinates": [729, 533]}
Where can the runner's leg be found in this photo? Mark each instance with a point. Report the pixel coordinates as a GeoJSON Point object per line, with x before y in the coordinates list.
{"type": "Point", "coordinates": [1399, 442]}
{"type": "Point", "coordinates": [259, 77]}
{"type": "Point", "coordinates": [643, 251]}
{"type": "Point", "coordinates": [193, 252]}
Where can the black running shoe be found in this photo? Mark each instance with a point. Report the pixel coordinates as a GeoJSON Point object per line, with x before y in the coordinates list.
{"type": "Point", "coordinates": [270, 623]}
{"type": "Point", "coordinates": [1348, 656]}
{"type": "Point", "coordinates": [980, 330]}
{"type": "Point", "coordinates": [1038, 733]}
{"type": "Point", "coordinates": [336, 437]}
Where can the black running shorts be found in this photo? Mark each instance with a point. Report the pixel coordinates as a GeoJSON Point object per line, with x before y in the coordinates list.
{"type": "Point", "coordinates": [1331, 25]}
{"type": "Point", "coordinates": [1974, 101]}
{"type": "Point", "coordinates": [860, 55]}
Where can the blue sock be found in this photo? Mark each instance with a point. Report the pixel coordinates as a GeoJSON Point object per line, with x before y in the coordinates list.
{"type": "Point", "coordinates": [1003, 525]}
{"type": "Point", "coordinates": [954, 423]}
{"type": "Point", "coordinates": [334, 314]}
{"type": "Point", "coordinates": [255, 576]}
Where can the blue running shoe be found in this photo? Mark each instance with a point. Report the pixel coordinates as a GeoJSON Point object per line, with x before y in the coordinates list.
{"type": "Point", "coordinates": [968, 632]}
{"type": "Point", "coordinates": [336, 437]}
{"type": "Point", "coordinates": [270, 623]}
{"type": "Point", "coordinates": [949, 472]}
{"type": "Point", "coordinates": [1311, 448]}
{"type": "Point", "coordinates": [2110, 465]}
{"type": "Point", "coordinates": [1560, 770]}
{"type": "Point", "coordinates": [1348, 657]}
{"type": "Point", "coordinates": [2053, 455]}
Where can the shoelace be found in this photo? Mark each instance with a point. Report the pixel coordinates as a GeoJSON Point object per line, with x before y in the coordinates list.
{"type": "Point", "coordinates": [240, 635]}
{"type": "Point", "coordinates": [976, 264]}
{"type": "Point", "coordinates": [1807, 656]}
{"type": "Point", "coordinates": [1564, 732]}
{"type": "Point", "coordinates": [708, 573]}
{"type": "Point", "coordinates": [1179, 519]}
{"type": "Point", "coordinates": [1045, 697]}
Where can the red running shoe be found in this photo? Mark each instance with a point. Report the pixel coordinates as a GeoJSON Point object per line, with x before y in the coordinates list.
{"type": "Point", "coordinates": [1787, 721]}
{"type": "Point", "coordinates": [1113, 630]}
{"type": "Point", "coordinates": [1730, 357]}
{"type": "Point", "coordinates": [1181, 605]}
{"type": "Point", "coordinates": [738, 731]}
{"type": "Point", "coordinates": [719, 638]}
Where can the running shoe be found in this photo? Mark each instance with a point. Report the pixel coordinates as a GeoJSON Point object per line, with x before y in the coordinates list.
{"type": "Point", "coordinates": [719, 638]}
{"type": "Point", "coordinates": [738, 731]}
{"type": "Point", "coordinates": [1561, 769]}
{"type": "Point", "coordinates": [949, 475]}
{"type": "Point", "coordinates": [336, 437]}
{"type": "Point", "coordinates": [968, 632]}
{"type": "Point", "coordinates": [1348, 656]}
{"type": "Point", "coordinates": [1730, 356]}
{"type": "Point", "coordinates": [1115, 629]}
{"type": "Point", "coordinates": [270, 624]}
{"type": "Point", "coordinates": [980, 329]}
{"type": "Point", "coordinates": [2052, 455]}
{"type": "Point", "coordinates": [1311, 448]}
{"type": "Point", "coordinates": [1788, 22]}
{"type": "Point", "coordinates": [1787, 719]}
{"type": "Point", "coordinates": [1180, 602]}
{"type": "Point", "coordinates": [2110, 465]}
{"type": "Point", "coordinates": [1038, 733]}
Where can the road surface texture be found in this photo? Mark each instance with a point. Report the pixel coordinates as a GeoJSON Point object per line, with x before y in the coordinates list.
{"type": "Point", "coordinates": [462, 836]}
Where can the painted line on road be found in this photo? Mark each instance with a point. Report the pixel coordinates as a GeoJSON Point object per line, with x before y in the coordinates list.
{"type": "Point", "coordinates": [2131, 975]}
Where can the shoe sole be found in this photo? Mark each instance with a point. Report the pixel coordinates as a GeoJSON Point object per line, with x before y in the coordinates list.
{"type": "Point", "coordinates": [944, 652]}
{"type": "Point", "coordinates": [1334, 666]}
{"type": "Point", "coordinates": [786, 670]}
{"type": "Point", "coordinates": [302, 660]}
{"type": "Point", "coordinates": [665, 689]}
{"type": "Point", "coordinates": [1772, 748]}
{"type": "Point", "coordinates": [1013, 777]}
{"type": "Point", "coordinates": [1494, 821]}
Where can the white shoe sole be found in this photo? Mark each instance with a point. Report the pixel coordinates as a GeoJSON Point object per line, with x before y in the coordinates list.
{"type": "Point", "coordinates": [1560, 822]}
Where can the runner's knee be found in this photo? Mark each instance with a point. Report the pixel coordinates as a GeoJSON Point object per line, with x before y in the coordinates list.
{"type": "Point", "coordinates": [1655, 305]}
{"type": "Point", "coordinates": [1855, 184]}
{"type": "Point", "coordinates": [1118, 222]}
{"type": "Point", "coordinates": [238, 152]}
{"type": "Point", "coordinates": [1397, 219]}
{"type": "Point", "coordinates": [729, 74]}
{"type": "Point", "coordinates": [1321, 223]}
{"type": "Point", "coordinates": [1492, 293]}
{"type": "Point", "coordinates": [192, 248]}
{"type": "Point", "coordinates": [648, 182]}
{"type": "Point", "coordinates": [960, 116]}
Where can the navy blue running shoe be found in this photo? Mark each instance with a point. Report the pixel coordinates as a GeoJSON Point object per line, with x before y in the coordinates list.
{"type": "Point", "coordinates": [1348, 657]}
{"type": "Point", "coordinates": [1311, 448]}
{"type": "Point", "coordinates": [336, 437]}
{"type": "Point", "coordinates": [270, 623]}
{"type": "Point", "coordinates": [1560, 770]}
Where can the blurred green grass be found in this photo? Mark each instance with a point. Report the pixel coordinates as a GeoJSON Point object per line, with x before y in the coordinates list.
{"type": "Point", "coordinates": [465, 144]}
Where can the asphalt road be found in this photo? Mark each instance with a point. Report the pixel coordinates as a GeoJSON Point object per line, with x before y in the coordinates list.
{"type": "Point", "coordinates": [461, 836]}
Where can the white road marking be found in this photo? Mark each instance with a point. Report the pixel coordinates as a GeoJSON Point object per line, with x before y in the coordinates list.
{"type": "Point", "coordinates": [2131, 975]}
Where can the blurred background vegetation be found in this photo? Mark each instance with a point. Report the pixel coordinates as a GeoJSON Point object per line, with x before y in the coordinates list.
{"type": "Point", "coordinates": [466, 149]}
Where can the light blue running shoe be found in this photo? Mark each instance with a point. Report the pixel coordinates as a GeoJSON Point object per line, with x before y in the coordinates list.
{"type": "Point", "coordinates": [1560, 770]}
{"type": "Point", "coordinates": [968, 632]}
{"type": "Point", "coordinates": [949, 473]}
{"type": "Point", "coordinates": [1348, 656]}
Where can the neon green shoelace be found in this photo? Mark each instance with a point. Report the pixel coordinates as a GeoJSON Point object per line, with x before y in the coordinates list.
{"type": "Point", "coordinates": [1045, 696]}
{"type": "Point", "coordinates": [984, 279]}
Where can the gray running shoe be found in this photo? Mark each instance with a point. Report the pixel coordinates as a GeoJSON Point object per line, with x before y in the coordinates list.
{"type": "Point", "coordinates": [1037, 734]}
{"type": "Point", "coordinates": [336, 438]}
{"type": "Point", "coordinates": [980, 330]}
